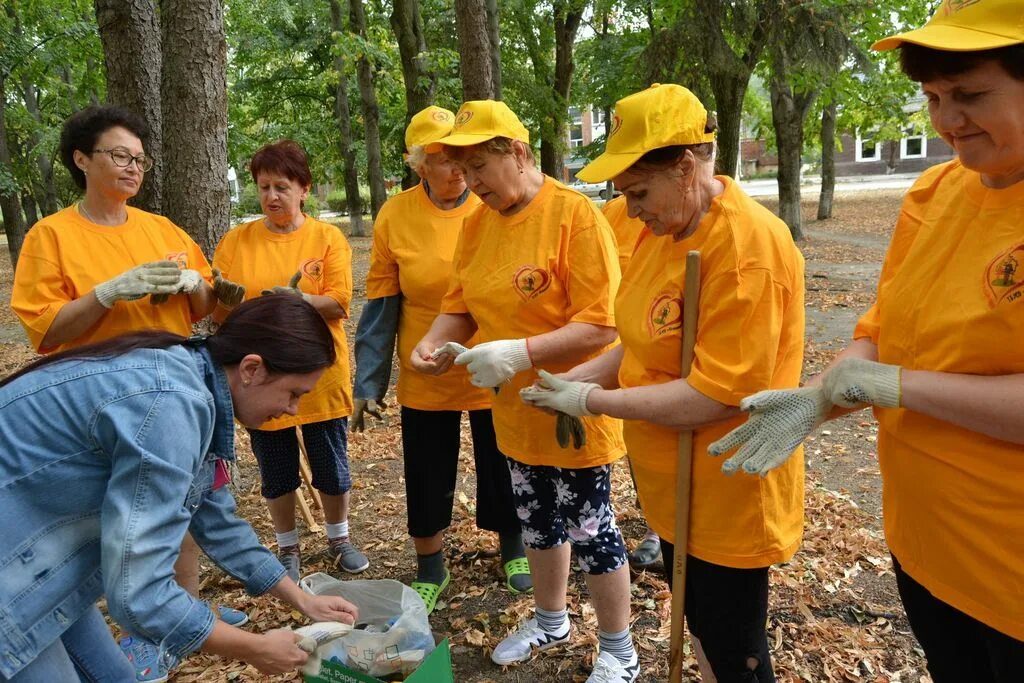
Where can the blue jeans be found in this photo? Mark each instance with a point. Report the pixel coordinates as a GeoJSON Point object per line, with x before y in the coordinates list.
{"type": "Point", "coordinates": [85, 652]}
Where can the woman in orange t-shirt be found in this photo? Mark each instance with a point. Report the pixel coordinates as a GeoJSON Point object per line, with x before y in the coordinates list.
{"type": "Point", "coordinates": [750, 325]}
{"type": "Point", "coordinates": [101, 268]}
{"type": "Point", "coordinates": [938, 357]}
{"type": "Point", "coordinates": [414, 238]}
{"type": "Point", "coordinates": [535, 274]}
{"type": "Point", "coordinates": [314, 258]}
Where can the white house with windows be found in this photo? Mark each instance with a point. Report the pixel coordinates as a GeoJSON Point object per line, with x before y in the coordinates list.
{"type": "Point", "coordinates": [864, 154]}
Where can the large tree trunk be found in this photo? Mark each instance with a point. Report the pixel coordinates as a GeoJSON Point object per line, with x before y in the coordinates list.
{"type": "Point", "coordinates": [567, 15]}
{"type": "Point", "coordinates": [344, 119]}
{"type": "Point", "coordinates": [130, 33]}
{"type": "Point", "coordinates": [729, 93]}
{"type": "Point", "coordinates": [371, 112]}
{"type": "Point", "coordinates": [196, 113]}
{"type": "Point", "coordinates": [788, 113]}
{"type": "Point", "coordinates": [10, 205]}
{"type": "Point", "coordinates": [47, 188]}
{"type": "Point", "coordinates": [475, 61]}
{"type": "Point", "coordinates": [828, 160]}
{"type": "Point", "coordinates": [420, 81]}
{"type": "Point", "coordinates": [29, 207]}
{"type": "Point", "coordinates": [494, 36]}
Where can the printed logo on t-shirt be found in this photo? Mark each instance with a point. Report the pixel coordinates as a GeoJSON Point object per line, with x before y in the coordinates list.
{"type": "Point", "coordinates": [531, 281]}
{"type": "Point", "coordinates": [1004, 277]}
{"type": "Point", "coordinates": [665, 314]}
{"type": "Point", "coordinates": [179, 257]}
{"type": "Point", "coordinates": [313, 268]}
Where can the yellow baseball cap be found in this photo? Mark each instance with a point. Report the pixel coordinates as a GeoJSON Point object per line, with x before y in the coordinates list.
{"type": "Point", "coordinates": [427, 126]}
{"type": "Point", "coordinates": [482, 120]}
{"type": "Point", "coordinates": [661, 116]}
{"type": "Point", "coordinates": [965, 25]}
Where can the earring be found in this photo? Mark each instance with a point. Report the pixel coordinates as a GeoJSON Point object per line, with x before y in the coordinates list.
{"type": "Point", "coordinates": [245, 383]}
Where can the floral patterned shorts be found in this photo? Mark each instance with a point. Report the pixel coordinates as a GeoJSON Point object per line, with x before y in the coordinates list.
{"type": "Point", "coordinates": [556, 505]}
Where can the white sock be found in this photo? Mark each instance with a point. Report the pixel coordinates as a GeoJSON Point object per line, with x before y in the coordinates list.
{"type": "Point", "coordinates": [287, 538]}
{"type": "Point", "coordinates": [339, 530]}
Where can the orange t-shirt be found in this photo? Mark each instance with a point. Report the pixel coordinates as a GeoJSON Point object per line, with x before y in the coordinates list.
{"type": "Point", "coordinates": [552, 263]}
{"type": "Point", "coordinates": [259, 259]}
{"type": "Point", "coordinates": [627, 230]}
{"type": "Point", "coordinates": [750, 337]}
{"type": "Point", "coordinates": [951, 299]}
{"type": "Point", "coordinates": [413, 246]}
{"type": "Point", "coordinates": [65, 256]}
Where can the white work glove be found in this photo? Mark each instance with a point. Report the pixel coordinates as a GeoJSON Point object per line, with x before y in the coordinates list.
{"type": "Point", "coordinates": [491, 364]}
{"type": "Point", "coordinates": [448, 349]}
{"type": "Point", "coordinates": [189, 281]}
{"type": "Point", "coordinates": [360, 408]}
{"type": "Point", "coordinates": [780, 420]}
{"type": "Point", "coordinates": [560, 395]}
{"type": "Point", "coordinates": [158, 277]}
{"type": "Point", "coordinates": [852, 382]}
{"type": "Point", "coordinates": [316, 635]}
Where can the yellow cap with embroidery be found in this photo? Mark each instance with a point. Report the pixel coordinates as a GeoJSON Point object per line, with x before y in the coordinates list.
{"type": "Point", "coordinates": [966, 25]}
{"type": "Point", "coordinates": [428, 126]}
{"type": "Point", "coordinates": [482, 120]}
{"type": "Point", "coordinates": [661, 116]}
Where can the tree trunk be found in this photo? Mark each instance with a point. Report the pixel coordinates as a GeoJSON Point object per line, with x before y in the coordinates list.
{"type": "Point", "coordinates": [344, 119]}
{"type": "Point", "coordinates": [788, 113]}
{"type": "Point", "coordinates": [494, 36]}
{"type": "Point", "coordinates": [130, 33]}
{"type": "Point", "coordinates": [10, 205]}
{"type": "Point", "coordinates": [567, 15]}
{"type": "Point", "coordinates": [196, 113]}
{"type": "Point", "coordinates": [371, 112]}
{"type": "Point", "coordinates": [828, 160]}
{"type": "Point", "coordinates": [475, 60]}
{"type": "Point", "coordinates": [729, 93]}
{"type": "Point", "coordinates": [420, 81]}
{"type": "Point", "coordinates": [28, 206]}
{"type": "Point", "coordinates": [50, 204]}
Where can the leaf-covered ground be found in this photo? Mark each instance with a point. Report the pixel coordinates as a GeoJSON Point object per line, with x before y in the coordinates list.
{"type": "Point", "coordinates": [834, 613]}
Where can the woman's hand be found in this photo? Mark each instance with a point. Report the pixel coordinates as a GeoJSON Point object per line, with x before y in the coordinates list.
{"type": "Point", "coordinates": [228, 293]}
{"type": "Point", "coordinates": [559, 395]}
{"type": "Point", "coordinates": [278, 652]}
{"type": "Point", "coordinates": [427, 359]}
{"type": "Point", "coordinates": [493, 363]}
{"type": "Point", "coordinates": [329, 608]}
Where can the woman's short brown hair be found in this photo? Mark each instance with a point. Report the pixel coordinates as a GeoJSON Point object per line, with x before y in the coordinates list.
{"type": "Point", "coordinates": [498, 146]}
{"type": "Point", "coordinates": [923, 64]}
{"type": "Point", "coordinates": [285, 157]}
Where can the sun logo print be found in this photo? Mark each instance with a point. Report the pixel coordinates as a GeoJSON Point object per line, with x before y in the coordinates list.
{"type": "Point", "coordinates": [616, 124]}
{"type": "Point", "coordinates": [954, 6]}
{"type": "Point", "coordinates": [1004, 277]}
{"type": "Point", "coordinates": [441, 116]}
{"type": "Point", "coordinates": [530, 282]}
{"type": "Point", "coordinates": [463, 118]}
{"type": "Point", "coordinates": [313, 268]}
{"type": "Point", "coordinates": [665, 314]}
{"type": "Point", "coordinates": [180, 258]}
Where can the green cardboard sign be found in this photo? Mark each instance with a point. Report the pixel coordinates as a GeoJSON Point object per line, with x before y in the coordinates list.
{"type": "Point", "coordinates": [436, 668]}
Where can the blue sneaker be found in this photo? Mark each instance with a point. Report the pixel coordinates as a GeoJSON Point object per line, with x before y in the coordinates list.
{"type": "Point", "coordinates": [230, 616]}
{"type": "Point", "coordinates": [150, 666]}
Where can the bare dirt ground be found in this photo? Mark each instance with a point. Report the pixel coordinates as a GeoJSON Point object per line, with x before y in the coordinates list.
{"type": "Point", "coordinates": [834, 613]}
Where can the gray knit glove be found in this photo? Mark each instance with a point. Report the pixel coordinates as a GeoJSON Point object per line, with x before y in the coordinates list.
{"type": "Point", "coordinates": [158, 277]}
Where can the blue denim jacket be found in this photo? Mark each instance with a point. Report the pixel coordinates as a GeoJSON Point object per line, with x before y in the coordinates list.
{"type": "Point", "coordinates": [104, 464]}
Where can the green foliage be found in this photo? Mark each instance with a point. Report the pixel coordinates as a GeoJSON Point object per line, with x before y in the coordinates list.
{"type": "Point", "coordinates": [248, 201]}
{"type": "Point", "coordinates": [336, 200]}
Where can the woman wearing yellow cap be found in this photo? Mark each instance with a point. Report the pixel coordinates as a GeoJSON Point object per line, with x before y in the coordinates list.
{"type": "Point", "coordinates": [939, 358]}
{"type": "Point", "coordinates": [535, 274]}
{"type": "Point", "coordinates": [414, 239]}
{"type": "Point", "coordinates": [750, 328]}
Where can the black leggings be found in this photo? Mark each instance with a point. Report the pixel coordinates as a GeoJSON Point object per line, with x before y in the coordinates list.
{"type": "Point", "coordinates": [959, 648]}
{"type": "Point", "coordinates": [727, 609]}
{"type": "Point", "coordinates": [430, 445]}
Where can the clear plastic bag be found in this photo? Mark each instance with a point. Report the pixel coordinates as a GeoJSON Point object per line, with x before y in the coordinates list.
{"type": "Point", "coordinates": [392, 634]}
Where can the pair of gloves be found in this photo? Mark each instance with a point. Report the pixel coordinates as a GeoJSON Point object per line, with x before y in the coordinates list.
{"type": "Point", "coordinates": [781, 419]}
{"type": "Point", "coordinates": [160, 280]}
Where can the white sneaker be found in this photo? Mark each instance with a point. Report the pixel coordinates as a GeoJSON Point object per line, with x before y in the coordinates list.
{"type": "Point", "coordinates": [519, 645]}
{"type": "Point", "coordinates": [610, 670]}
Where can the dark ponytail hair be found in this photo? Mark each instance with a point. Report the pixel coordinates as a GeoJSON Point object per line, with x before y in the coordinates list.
{"type": "Point", "coordinates": [286, 332]}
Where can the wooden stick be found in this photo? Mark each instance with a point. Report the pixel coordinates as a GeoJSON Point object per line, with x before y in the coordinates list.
{"type": "Point", "coordinates": [306, 473]}
{"type": "Point", "coordinates": [307, 514]}
{"type": "Point", "coordinates": [691, 297]}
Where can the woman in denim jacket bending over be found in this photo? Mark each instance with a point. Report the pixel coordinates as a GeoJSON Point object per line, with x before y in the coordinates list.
{"type": "Point", "coordinates": [107, 456]}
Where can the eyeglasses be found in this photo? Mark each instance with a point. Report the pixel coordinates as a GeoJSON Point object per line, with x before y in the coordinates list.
{"type": "Point", "coordinates": [123, 158]}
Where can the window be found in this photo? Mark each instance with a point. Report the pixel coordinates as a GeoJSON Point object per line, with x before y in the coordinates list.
{"type": "Point", "coordinates": [868, 149]}
{"type": "Point", "coordinates": [576, 135]}
{"type": "Point", "coordinates": [914, 145]}
{"type": "Point", "coordinates": [598, 115]}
